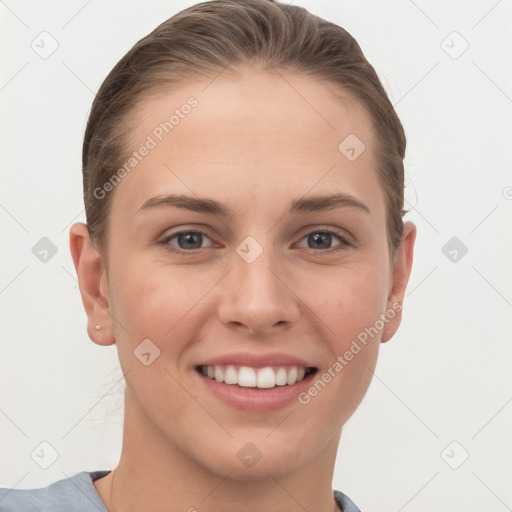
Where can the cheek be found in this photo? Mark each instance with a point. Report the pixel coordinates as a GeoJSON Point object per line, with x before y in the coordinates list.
{"type": "Point", "coordinates": [153, 302]}
{"type": "Point", "coordinates": [154, 297]}
{"type": "Point", "coordinates": [169, 306]}
{"type": "Point", "coordinates": [348, 300]}
{"type": "Point", "coordinates": [350, 305]}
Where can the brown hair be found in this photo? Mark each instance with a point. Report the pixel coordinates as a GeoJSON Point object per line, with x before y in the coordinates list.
{"type": "Point", "coordinates": [205, 39]}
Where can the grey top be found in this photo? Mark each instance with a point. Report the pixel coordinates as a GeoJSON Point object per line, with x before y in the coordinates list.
{"type": "Point", "coordinates": [78, 494]}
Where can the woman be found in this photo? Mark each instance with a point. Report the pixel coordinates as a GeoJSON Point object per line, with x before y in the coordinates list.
{"type": "Point", "coordinates": [245, 251]}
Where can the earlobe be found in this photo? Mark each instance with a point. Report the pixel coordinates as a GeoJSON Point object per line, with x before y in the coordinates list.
{"type": "Point", "coordinates": [401, 271]}
{"type": "Point", "coordinates": [92, 280]}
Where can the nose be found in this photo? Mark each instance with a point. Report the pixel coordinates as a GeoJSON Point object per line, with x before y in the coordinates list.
{"type": "Point", "coordinates": [258, 297]}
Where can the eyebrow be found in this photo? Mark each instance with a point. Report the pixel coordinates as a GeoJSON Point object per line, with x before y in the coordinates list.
{"type": "Point", "coordinates": [210, 206]}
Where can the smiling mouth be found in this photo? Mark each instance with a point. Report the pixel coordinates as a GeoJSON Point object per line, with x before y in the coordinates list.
{"type": "Point", "coordinates": [262, 378]}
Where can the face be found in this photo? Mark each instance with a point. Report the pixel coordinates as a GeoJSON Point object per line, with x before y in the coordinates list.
{"type": "Point", "coordinates": [264, 284]}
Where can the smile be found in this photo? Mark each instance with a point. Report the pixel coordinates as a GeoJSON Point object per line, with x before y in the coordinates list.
{"type": "Point", "coordinates": [249, 377]}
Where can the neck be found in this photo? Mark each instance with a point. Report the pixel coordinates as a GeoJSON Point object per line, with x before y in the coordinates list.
{"type": "Point", "coordinates": [155, 474]}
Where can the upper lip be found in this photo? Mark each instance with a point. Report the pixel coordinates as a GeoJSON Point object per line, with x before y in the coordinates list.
{"type": "Point", "coordinates": [256, 360]}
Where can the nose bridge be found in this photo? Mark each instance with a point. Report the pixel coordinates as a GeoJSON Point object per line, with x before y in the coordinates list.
{"type": "Point", "coordinates": [256, 294]}
{"type": "Point", "coordinates": [252, 272]}
{"type": "Point", "coordinates": [256, 279]}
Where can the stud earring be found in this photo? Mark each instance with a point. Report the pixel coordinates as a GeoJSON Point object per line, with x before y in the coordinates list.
{"type": "Point", "coordinates": [97, 327]}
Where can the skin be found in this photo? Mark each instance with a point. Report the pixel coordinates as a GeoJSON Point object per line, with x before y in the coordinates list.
{"type": "Point", "coordinates": [254, 144]}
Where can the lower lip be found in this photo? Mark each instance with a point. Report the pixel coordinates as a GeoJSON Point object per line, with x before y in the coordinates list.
{"type": "Point", "coordinates": [256, 399]}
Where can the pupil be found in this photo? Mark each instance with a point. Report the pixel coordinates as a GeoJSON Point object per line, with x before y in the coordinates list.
{"type": "Point", "coordinates": [190, 237]}
{"type": "Point", "coordinates": [321, 237]}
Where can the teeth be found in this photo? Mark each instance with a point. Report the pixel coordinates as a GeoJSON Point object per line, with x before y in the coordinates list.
{"type": "Point", "coordinates": [292, 376]}
{"type": "Point", "coordinates": [281, 377]}
{"type": "Point", "coordinates": [266, 378]}
{"type": "Point", "coordinates": [219, 374]}
{"type": "Point", "coordinates": [230, 376]}
{"type": "Point", "coordinates": [248, 377]}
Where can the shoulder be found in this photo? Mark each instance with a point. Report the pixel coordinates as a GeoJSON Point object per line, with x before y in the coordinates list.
{"type": "Point", "coordinates": [73, 494]}
{"type": "Point", "coordinates": [344, 502]}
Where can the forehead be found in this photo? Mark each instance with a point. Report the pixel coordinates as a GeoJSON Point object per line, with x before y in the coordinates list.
{"type": "Point", "coordinates": [270, 132]}
{"type": "Point", "coordinates": [275, 103]}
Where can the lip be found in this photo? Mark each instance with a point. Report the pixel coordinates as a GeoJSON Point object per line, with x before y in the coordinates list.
{"type": "Point", "coordinates": [256, 360]}
{"type": "Point", "coordinates": [255, 399]}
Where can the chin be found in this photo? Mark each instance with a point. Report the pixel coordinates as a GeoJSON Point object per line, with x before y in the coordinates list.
{"type": "Point", "coordinates": [260, 460]}
{"type": "Point", "coordinates": [261, 470]}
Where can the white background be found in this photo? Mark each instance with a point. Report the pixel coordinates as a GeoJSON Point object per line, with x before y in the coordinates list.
{"type": "Point", "coordinates": [444, 377]}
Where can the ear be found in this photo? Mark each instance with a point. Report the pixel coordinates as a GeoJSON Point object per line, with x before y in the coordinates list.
{"type": "Point", "coordinates": [400, 272]}
{"type": "Point", "coordinates": [92, 280]}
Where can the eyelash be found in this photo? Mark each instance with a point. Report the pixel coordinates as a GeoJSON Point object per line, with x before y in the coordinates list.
{"type": "Point", "coordinates": [345, 242]}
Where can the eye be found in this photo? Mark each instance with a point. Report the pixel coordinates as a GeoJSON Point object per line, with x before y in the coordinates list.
{"type": "Point", "coordinates": [187, 241]}
{"type": "Point", "coordinates": [321, 240]}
